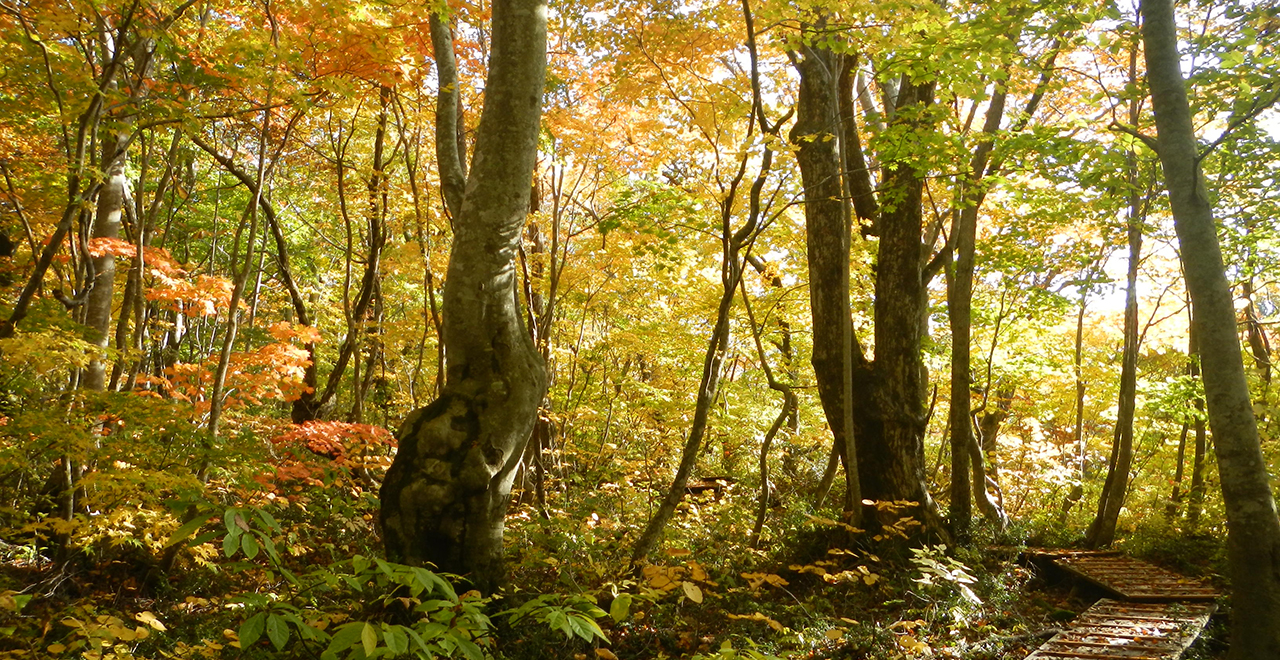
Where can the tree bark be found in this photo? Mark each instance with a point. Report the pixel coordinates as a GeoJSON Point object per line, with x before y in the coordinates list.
{"type": "Point", "coordinates": [106, 224]}
{"type": "Point", "coordinates": [827, 240]}
{"type": "Point", "coordinates": [446, 493]}
{"type": "Point", "coordinates": [960, 317]}
{"type": "Point", "coordinates": [1102, 531]}
{"type": "Point", "coordinates": [1253, 529]}
{"type": "Point", "coordinates": [901, 300]}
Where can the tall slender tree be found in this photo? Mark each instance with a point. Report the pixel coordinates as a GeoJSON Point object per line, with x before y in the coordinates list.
{"type": "Point", "coordinates": [1253, 528]}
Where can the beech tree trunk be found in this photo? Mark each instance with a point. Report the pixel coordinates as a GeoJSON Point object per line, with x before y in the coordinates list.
{"type": "Point", "coordinates": [827, 238]}
{"type": "Point", "coordinates": [446, 493]}
{"type": "Point", "coordinates": [960, 316]}
{"type": "Point", "coordinates": [1253, 529]}
{"type": "Point", "coordinates": [901, 299]}
{"type": "Point", "coordinates": [106, 224]}
{"type": "Point", "coordinates": [1102, 531]}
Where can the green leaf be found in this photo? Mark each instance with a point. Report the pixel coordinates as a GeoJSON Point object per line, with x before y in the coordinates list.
{"type": "Point", "coordinates": [270, 547]}
{"type": "Point", "coordinates": [347, 635]}
{"type": "Point", "coordinates": [557, 620]}
{"type": "Point", "coordinates": [191, 527]}
{"type": "Point", "coordinates": [470, 649]}
{"type": "Point", "coordinates": [268, 520]}
{"type": "Point", "coordinates": [277, 631]}
{"type": "Point", "coordinates": [620, 607]}
{"type": "Point", "coordinates": [229, 520]}
{"type": "Point", "coordinates": [434, 583]}
{"type": "Point", "coordinates": [369, 637]}
{"type": "Point", "coordinates": [251, 630]}
{"type": "Point", "coordinates": [205, 538]}
{"type": "Point", "coordinates": [230, 544]}
{"type": "Point", "coordinates": [586, 627]}
{"type": "Point", "coordinates": [417, 639]}
{"type": "Point", "coordinates": [396, 639]}
{"type": "Point", "coordinates": [250, 545]}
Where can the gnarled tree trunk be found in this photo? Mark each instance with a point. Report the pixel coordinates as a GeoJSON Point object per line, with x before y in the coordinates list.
{"type": "Point", "coordinates": [445, 496]}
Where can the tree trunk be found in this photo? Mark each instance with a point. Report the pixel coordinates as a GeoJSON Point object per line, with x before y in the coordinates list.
{"type": "Point", "coordinates": [898, 461]}
{"type": "Point", "coordinates": [1195, 499]}
{"type": "Point", "coordinates": [1080, 387]}
{"type": "Point", "coordinates": [1253, 529]}
{"type": "Point", "coordinates": [376, 235]}
{"type": "Point", "coordinates": [445, 496]}
{"type": "Point", "coordinates": [1172, 507]}
{"type": "Point", "coordinates": [827, 233]}
{"type": "Point", "coordinates": [106, 224]}
{"type": "Point", "coordinates": [960, 316]}
{"type": "Point", "coordinates": [1103, 529]}
{"type": "Point", "coordinates": [306, 407]}
{"type": "Point", "coordinates": [731, 265]}
{"type": "Point", "coordinates": [1259, 345]}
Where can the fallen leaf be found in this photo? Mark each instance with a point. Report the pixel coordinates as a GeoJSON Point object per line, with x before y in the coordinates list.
{"type": "Point", "coordinates": [151, 620]}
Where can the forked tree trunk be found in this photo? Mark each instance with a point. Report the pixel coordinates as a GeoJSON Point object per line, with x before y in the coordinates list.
{"type": "Point", "coordinates": [445, 496]}
{"type": "Point", "coordinates": [1253, 529]}
{"type": "Point", "coordinates": [733, 243]}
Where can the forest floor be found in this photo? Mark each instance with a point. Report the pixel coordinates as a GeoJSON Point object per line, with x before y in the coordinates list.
{"type": "Point", "coordinates": [820, 592]}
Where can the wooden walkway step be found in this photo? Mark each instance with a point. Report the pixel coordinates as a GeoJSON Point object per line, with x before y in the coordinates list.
{"type": "Point", "coordinates": [1133, 580]}
{"type": "Point", "coordinates": [1112, 630]}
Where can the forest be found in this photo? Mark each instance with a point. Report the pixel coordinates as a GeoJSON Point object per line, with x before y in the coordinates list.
{"type": "Point", "coordinates": [633, 329]}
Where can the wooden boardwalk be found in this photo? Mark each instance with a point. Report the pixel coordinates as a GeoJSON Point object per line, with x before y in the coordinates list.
{"type": "Point", "coordinates": [1136, 581]}
{"type": "Point", "coordinates": [1156, 614]}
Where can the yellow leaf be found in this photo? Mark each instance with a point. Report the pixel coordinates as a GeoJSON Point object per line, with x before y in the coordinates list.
{"type": "Point", "coordinates": [692, 591]}
{"type": "Point", "coordinates": [662, 577]}
{"type": "Point", "coordinates": [56, 648]}
{"type": "Point", "coordinates": [912, 645]}
{"type": "Point", "coordinates": [151, 620]}
{"type": "Point", "coordinates": [759, 617]}
{"type": "Point", "coordinates": [678, 552]}
{"type": "Point", "coordinates": [606, 654]}
{"type": "Point", "coordinates": [834, 634]}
